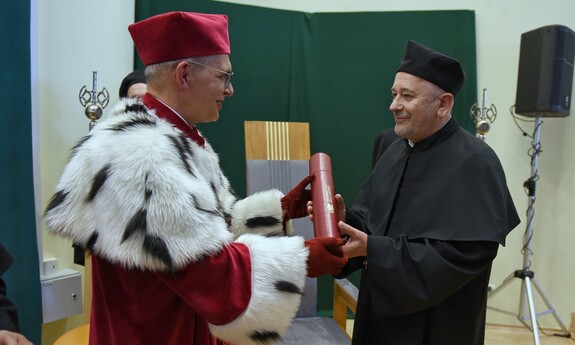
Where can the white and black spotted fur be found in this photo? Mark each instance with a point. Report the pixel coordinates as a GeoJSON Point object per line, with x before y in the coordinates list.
{"type": "Point", "coordinates": [137, 191]}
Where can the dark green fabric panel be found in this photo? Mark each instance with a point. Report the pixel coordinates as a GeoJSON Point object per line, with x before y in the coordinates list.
{"type": "Point", "coordinates": [18, 233]}
{"type": "Point", "coordinates": [347, 63]}
{"type": "Point", "coordinates": [333, 70]}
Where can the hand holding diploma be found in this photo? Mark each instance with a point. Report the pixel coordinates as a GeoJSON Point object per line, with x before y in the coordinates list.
{"type": "Point", "coordinates": [326, 255]}
{"type": "Point", "coordinates": [356, 244]}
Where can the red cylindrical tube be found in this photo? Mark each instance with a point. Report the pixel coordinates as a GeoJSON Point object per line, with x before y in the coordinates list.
{"type": "Point", "coordinates": [323, 197]}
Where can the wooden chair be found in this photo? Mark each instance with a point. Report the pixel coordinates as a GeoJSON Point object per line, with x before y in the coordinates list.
{"type": "Point", "coordinates": [277, 156]}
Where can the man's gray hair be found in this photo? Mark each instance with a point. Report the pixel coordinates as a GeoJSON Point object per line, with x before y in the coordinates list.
{"type": "Point", "coordinates": [157, 72]}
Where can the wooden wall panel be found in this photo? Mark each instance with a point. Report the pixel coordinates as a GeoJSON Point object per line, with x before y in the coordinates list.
{"type": "Point", "coordinates": [275, 140]}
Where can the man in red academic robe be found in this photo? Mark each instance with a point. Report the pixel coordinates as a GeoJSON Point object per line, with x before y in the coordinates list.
{"type": "Point", "coordinates": [177, 258]}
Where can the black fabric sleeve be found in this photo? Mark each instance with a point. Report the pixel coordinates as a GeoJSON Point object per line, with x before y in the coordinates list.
{"type": "Point", "coordinates": [8, 313]}
{"type": "Point", "coordinates": [408, 276]}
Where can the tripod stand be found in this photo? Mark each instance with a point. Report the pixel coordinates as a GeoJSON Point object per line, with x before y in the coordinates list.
{"type": "Point", "coordinates": [525, 274]}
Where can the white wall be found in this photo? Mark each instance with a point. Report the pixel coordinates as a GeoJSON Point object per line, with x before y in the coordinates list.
{"type": "Point", "coordinates": [76, 37]}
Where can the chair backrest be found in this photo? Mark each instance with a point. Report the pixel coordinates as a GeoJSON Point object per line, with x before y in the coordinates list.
{"type": "Point", "coordinates": [277, 156]}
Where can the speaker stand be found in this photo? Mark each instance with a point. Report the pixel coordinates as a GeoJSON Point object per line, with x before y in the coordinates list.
{"type": "Point", "coordinates": [525, 274]}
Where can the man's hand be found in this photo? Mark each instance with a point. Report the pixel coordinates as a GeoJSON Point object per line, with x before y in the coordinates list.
{"type": "Point", "coordinates": [326, 256]}
{"type": "Point", "coordinates": [339, 204]}
{"type": "Point", "coordinates": [294, 202]}
{"type": "Point", "coordinates": [356, 244]}
{"type": "Point", "coordinates": [11, 338]}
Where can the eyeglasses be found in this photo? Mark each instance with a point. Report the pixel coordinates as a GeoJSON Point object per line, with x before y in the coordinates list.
{"type": "Point", "coordinates": [228, 78]}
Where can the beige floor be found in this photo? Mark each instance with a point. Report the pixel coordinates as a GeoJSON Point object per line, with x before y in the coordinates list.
{"type": "Point", "coordinates": [501, 335]}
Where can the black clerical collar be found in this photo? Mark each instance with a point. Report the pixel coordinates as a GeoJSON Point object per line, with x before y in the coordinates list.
{"type": "Point", "coordinates": [445, 132]}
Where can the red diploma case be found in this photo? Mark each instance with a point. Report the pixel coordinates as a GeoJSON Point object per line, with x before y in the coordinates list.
{"type": "Point", "coordinates": [323, 197]}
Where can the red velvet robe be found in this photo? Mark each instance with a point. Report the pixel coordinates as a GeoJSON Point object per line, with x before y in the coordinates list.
{"type": "Point", "coordinates": [216, 290]}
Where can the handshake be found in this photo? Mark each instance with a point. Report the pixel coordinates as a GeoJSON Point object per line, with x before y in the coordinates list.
{"type": "Point", "coordinates": [326, 254]}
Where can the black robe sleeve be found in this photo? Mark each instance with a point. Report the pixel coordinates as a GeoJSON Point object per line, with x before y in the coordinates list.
{"type": "Point", "coordinates": [407, 276]}
{"type": "Point", "coordinates": [8, 313]}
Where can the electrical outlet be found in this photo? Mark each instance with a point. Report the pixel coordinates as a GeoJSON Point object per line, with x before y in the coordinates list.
{"type": "Point", "coordinates": [50, 266]}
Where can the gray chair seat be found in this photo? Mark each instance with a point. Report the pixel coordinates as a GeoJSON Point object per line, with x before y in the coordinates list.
{"type": "Point", "coordinates": [315, 331]}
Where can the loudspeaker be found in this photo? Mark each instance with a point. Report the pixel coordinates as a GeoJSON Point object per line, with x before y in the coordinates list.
{"type": "Point", "coordinates": [545, 78]}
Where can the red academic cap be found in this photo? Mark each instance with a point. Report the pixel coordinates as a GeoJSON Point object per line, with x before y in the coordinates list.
{"type": "Point", "coordinates": [180, 35]}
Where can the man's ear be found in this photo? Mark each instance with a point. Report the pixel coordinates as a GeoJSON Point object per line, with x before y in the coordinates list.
{"type": "Point", "coordinates": [183, 74]}
{"type": "Point", "coordinates": [445, 104]}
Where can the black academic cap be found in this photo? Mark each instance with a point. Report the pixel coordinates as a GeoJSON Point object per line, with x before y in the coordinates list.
{"type": "Point", "coordinates": [432, 66]}
{"type": "Point", "coordinates": [133, 78]}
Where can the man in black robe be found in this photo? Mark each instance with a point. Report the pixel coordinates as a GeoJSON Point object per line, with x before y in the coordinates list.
{"type": "Point", "coordinates": [428, 221]}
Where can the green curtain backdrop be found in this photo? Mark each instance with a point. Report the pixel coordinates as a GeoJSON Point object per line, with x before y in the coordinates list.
{"type": "Point", "coordinates": [18, 230]}
{"type": "Point", "coordinates": [333, 70]}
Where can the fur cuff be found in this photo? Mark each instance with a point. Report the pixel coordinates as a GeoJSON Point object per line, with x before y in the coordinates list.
{"type": "Point", "coordinates": [278, 278]}
{"type": "Point", "coordinates": [260, 213]}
